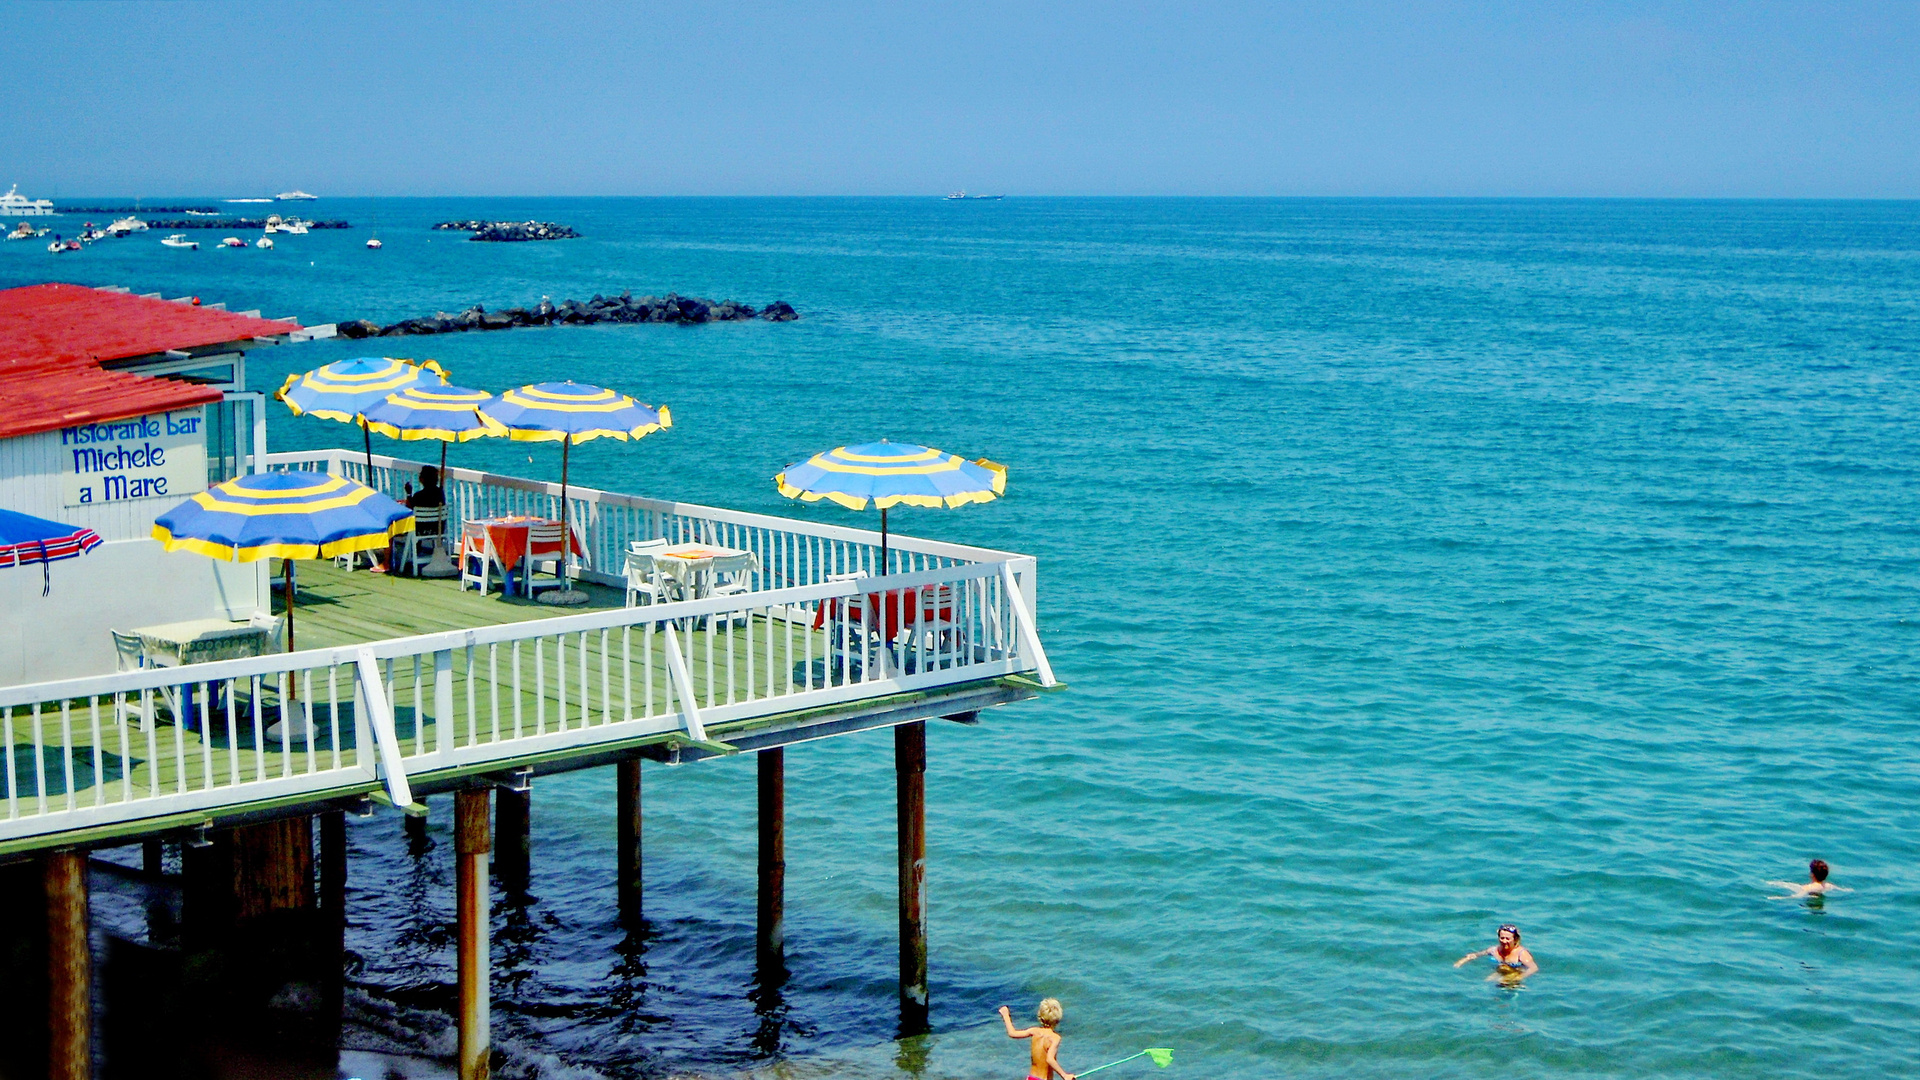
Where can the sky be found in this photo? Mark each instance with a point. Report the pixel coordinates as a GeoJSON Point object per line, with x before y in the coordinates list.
{"type": "Point", "coordinates": [1115, 97]}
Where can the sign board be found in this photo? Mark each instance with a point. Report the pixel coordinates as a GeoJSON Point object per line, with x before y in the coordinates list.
{"type": "Point", "coordinates": [145, 457]}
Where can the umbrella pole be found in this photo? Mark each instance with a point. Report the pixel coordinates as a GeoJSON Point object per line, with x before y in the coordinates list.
{"type": "Point", "coordinates": [883, 541]}
{"type": "Point", "coordinates": [293, 682]}
{"type": "Point", "coordinates": [366, 434]}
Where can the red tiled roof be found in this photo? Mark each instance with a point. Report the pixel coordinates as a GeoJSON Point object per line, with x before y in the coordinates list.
{"type": "Point", "coordinates": [54, 338]}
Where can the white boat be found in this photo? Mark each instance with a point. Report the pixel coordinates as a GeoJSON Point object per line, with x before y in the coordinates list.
{"type": "Point", "coordinates": [263, 242]}
{"type": "Point", "coordinates": [294, 226]}
{"type": "Point", "coordinates": [374, 242]}
{"type": "Point", "coordinates": [179, 240]}
{"type": "Point", "coordinates": [89, 234]}
{"type": "Point", "coordinates": [14, 204]}
{"type": "Point", "coordinates": [59, 246]}
{"type": "Point", "coordinates": [295, 195]}
{"type": "Point", "coordinates": [23, 231]}
{"type": "Point", "coordinates": [127, 225]}
{"type": "Point", "coordinates": [233, 241]}
{"type": "Point", "coordinates": [962, 194]}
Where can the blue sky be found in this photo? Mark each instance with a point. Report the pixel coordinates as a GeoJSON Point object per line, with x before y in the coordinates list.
{"type": "Point", "coordinates": [1119, 97]}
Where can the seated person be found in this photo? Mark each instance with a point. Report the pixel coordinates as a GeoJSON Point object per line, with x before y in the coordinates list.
{"type": "Point", "coordinates": [430, 495]}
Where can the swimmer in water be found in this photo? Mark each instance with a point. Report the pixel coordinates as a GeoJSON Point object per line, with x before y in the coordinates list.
{"type": "Point", "coordinates": [1511, 960]}
{"type": "Point", "coordinates": [1816, 884]}
{"type": "Point", "coordinates": [1046, 1040]}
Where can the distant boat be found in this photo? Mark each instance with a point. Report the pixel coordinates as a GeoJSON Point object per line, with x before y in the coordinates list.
{"type": "Point", "coordinates": [90, 234]}
{"type": "Point", "coordinates": [127, 225]}
{"type": "Point", "coordinates": [233, 241]}
{"type": "Point", "coordinates": [179, 240]}
{"type": "Point", "coordinates": [374, 242]}
{"type": "Point", "coordinates": [23, 231]}
{"type": "Point", "coordinates": [60, 245]}
{"type": "Point", "coordinates": [263, 242]}
{"type": "Point", "coordinates": [294, 226]}
{"type": "Point", "coordinates": [962, 194]}
{"type": "Point", "coordinates": [14, 204]}
{"type": "Point", "coordinates": [294, 196]}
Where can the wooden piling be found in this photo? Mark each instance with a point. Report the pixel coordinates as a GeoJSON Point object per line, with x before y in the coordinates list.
{"type": "Point", "coordinates": [272, 868]}
{"type": "Point", "coordinates": [152, 859]}
{"type": "Point", "coordinates": [513, 838]}
{"type": "Point", "coordinates": [69, 967]}
{"type": "Point", "coordinates": [770, 940]}
{"type": "Point", "coordinates": [471, 844]}
{"type": "Point", "coordinates": [910, 776]}
{"type": "Point", "coordinates": [627, 856]}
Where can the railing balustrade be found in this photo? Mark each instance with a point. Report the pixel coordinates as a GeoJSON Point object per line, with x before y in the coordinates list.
{"type": "Point", "coordinates": [158, 742]}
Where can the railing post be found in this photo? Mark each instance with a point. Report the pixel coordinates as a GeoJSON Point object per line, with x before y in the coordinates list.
{"type": "Point", "coordinates": [372, 692]}
{"type": "Point", "coordinates": [443, 701]}
{"type": "Point", "coordinates": [683, 686]}
{"type": "Point", "coordinates": [1023, 623]}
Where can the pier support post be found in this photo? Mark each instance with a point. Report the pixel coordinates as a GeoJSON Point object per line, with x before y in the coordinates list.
{"type": "Point", "coordinates": [910, 775]}
{"type": "Point", "coordinates": [513, 838]}
{"type": "Point", "coordinates": [628, 843]}
{"type": "Point", "coordinates": [69, 967]}
{"type": "Point", "coordinates": [152, 859]}
{"type": "Point", "coordinates": [471, 844]}
{"type": "Point", "coordinates": [770, 939]}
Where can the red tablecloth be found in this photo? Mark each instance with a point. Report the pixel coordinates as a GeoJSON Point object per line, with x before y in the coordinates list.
{"type": "Point", "coordinates": [897, 605]}
{"type": "Point", "coordinates": [508, 535]}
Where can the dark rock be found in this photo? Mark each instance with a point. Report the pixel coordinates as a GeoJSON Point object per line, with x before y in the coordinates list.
{"type": "Point", "coordinates": [779, 311]}
{"type": "Point", "coordinates": [356, 329]}
{"type": "Point", "coordinates": [497, 320]}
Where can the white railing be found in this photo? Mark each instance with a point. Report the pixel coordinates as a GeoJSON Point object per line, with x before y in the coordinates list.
{"type": "Point", "coordinates": [160, 742]}
{"type": "Point", "coordinates": [791, 552]}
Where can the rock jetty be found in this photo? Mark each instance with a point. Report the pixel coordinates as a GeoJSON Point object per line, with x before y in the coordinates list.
{"type": "Point", "coordinates": [625, 308]}
{"type": "Point", "coordinates": [510, 231]}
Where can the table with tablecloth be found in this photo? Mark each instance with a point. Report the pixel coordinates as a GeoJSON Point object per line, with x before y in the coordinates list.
{"type": "Point", "coordinates": [510, 539]}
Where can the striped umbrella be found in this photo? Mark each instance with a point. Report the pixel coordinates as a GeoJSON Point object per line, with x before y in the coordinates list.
{"type": "Point", "coordinates": [289, 515]}
{"type": "Point", "coordinates": [569, 413]}
{"type": "Point", "coordinates": [27, 539]}
{"type": "Point", "coordinates": [889, 474]}
{"type": "Point", "coordinates": [344, 389]}
{"type": "Point", "coordinates": [444, 413]}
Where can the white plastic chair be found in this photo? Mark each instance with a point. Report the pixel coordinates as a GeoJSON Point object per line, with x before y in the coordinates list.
{"type": "Point", "coordinates": [731, 575]}
{"type": "Point", "coordinates": [130, 654]}
{"type": "Point", "coordinates": [429, 525]}
{"type": "Point", "coordinates": [546, 544]}
{"type": "Point", "coordinates": [478, 559]}
{"type": "Point", "coordinates": [645, 579]}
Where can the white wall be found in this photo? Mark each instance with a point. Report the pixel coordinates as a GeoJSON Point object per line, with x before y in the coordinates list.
{"type": "Point", "coordinates": [127, 582]}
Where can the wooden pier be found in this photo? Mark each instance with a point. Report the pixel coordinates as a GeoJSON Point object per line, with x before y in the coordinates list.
{"type": "Point", "coordinates": [405, 688]}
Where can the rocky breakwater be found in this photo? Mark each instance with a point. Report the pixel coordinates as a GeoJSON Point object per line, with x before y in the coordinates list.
{"type": "Point", "coordinates": [509, 231]}
{"type": "Point", "coordinates": [625, 308]}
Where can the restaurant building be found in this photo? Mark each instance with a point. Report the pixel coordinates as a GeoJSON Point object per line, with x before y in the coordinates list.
{"type": "Point", "coordinates": [113, 408]}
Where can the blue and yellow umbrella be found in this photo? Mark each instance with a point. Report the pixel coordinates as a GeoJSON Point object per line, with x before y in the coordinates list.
{"type": "Point", "coordinates": [888, 474]}
{"type": "Point", "coordinates": [344, 389]}
{"type": "Point", "coordinates": [287, 515]}
{"type": "Point", "coordinates": [569, 413]}
{"type": "Point", "coordinates": [445, 412]}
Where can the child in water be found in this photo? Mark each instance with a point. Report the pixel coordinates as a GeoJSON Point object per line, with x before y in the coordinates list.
{"type": "Point", "coordinates": [1046, 1040]}
{"type": "Point", "coordinates": [1817, 884]}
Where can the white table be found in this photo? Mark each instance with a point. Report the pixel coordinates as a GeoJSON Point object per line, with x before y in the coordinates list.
{"type": "Point", "coordinates": [197, 641]}
{"type": "Point", "coordinates": [689, 565]}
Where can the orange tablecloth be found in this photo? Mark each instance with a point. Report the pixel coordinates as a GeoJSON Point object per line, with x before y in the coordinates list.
{"type": "Point", "coordinates": [897, 605]}
{"type": "Point", "coordinates": [508, 535]}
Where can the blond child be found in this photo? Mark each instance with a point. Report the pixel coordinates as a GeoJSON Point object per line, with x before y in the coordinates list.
{"type": "Point", "coordinates": [1046, 1040]}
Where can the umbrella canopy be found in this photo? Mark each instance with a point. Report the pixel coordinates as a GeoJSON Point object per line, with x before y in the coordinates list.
{"type": "Point", "coordinates": [291, 515]}
{"type": "Point", "coordinates": [568, 413]}
{"type": "Point", "coordinates": [344, 389]}
{"type": "Point", "coordinates": [445, 412]}
{"type": "Point", "coordinates": [575, 412]}
{"type": "Point", "coordinates": [889, 474]}
{"type": "Point", "coordinates": [27, 539]}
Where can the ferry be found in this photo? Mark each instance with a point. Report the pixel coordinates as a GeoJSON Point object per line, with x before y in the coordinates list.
{"type": "Point", "coordinates": [179, 240]}
{"type": "Point", "coordinates": [962, 194]}
{"type": "Point", "coordinates": [14, 204]}
{"type": "Point", "coordinates": [295, 195]}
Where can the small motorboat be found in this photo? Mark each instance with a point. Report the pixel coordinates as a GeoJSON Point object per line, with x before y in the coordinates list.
{"type": "Point", "coordinates": [22, 231]}
{"type": "Point", "coordinates": [294, 226]}
{"type": "Point", "coordinates": [374, 243]}
{"type": "Point", "coordinates": [179, 240]}
{"type": "Point", "coordinates": [233, 241]}
{"type": "Point", "coordinates": [90, 233]}
{"type": "Point", "coordinates": [264, 242]}
{"type": "Point", "coordinates": [60, 245]}
{"type": "Point", "coordinates": [127, 225]}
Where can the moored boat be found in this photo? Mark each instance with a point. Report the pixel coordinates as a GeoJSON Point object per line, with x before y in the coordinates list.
{"type": "Point", "coordinates": [126, 225]}
{"type": "Point", "coordinates": [374, 242]}
{"type": "Point", "coordinates": [233, 241]}
{"type": "Point", "coordinates": [14, 204]}
{"type": "Point", "coordinates": [23, 231]}
{"type": "Point", "coordinates": [179, 240]}
{"type": "Point", "coordinates": [264, 242]}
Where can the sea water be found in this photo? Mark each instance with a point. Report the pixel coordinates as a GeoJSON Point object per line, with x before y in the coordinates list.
{"type": "Point", "coordinates": [1416, 567]}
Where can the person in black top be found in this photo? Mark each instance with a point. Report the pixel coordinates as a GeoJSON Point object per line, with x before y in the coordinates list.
{"type": "Point", "coordinates": [430, 495]}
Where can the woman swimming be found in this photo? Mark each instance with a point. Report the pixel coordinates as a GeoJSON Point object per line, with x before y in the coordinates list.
{"type": "Point", "coordinates": [1511, 960]}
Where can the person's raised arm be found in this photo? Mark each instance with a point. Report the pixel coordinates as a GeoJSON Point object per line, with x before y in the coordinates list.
{"type": "Point", "coordinates": [1006, 1017]}
{"type": "Point", "coordinates": [1470, 956]}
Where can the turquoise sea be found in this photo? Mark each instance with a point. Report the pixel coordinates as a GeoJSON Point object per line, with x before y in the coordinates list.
{"type": "Point", "coordinates": [1417, 566]}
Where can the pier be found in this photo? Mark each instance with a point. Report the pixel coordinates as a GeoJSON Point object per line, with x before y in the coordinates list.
{"type": "Point", "coordinates": [403, 688]}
